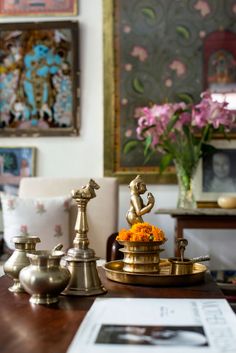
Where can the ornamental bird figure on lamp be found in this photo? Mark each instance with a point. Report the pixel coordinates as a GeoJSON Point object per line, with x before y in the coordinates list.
{"type": "Point", "coordinates": [81, 260]}
{"type": "Point", "coordinates": [142, 241]}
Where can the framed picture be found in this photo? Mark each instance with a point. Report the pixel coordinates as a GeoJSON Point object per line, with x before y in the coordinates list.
{"type": "Point", "coordinates": [15, 163]}
{"type": "Point", "coordinates": [153, 53]}
{"type": "Point", "coordinates": [38, 7]}
{"type": "Point", "coordinates": [216, 174]}
{"type": "Point", "coordinates": [39, 79]}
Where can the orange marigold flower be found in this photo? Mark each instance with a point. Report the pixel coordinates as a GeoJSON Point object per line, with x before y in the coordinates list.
{"type": "Point", "coordinates": [141, 232]}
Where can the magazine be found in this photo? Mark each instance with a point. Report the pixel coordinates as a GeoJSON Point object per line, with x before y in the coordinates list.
{"type": "Point", "coordinates": [133, 325]}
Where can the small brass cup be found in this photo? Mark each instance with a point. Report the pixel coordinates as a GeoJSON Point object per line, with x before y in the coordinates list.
{"type": "Point", "coordinates": [179, 267]}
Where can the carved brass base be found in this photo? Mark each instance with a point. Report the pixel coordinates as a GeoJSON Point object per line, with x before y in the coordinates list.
{"type": "Point", "coordinates": [84, 277]}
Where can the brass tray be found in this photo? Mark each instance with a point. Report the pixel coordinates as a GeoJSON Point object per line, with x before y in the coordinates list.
{"type": "Point", "coordinates": [114, 271]}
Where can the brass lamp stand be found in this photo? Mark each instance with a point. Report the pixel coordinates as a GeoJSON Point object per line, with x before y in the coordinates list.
{"type": "Point", "coordinates": [81, 260]}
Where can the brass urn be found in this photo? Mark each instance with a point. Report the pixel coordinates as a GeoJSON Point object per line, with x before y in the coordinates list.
{"type": "Point", "coordinates": [18, 260]}
{"type": "Point", "coordinates": [45, 278]}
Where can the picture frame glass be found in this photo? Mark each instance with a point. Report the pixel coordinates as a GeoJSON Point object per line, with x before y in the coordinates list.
{"type": "Point", "coordinates": [16, 163]}
{"type": "Point", "coordinates": [39, 78]}
{"type": "Point", "coordinates": [38, 7]}
{"type": "Point", "coordinates": [216, 173]}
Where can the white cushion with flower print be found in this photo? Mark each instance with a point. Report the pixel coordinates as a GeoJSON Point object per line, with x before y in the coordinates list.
{"type": "Point", "coordinates": [47, 218]}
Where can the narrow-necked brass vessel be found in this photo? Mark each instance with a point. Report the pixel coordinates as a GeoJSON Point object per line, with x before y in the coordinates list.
{"type": "Point", "coordinates": [18, 260]}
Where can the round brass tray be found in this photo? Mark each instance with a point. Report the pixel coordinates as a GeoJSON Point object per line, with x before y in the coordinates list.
{"type": "Point", "coordinates": [114, 271]}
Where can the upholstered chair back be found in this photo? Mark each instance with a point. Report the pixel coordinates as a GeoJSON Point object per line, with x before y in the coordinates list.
{"type": "Point", "coordinates": [102, 211]}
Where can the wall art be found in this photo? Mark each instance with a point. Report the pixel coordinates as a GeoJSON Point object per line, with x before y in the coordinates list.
{"type": "Point", "coordinates": [16, 163]}
{"type": "Point", "coordinates": [38, 7]}
{"type": "Point", "coordinates": [39, 79]}
{"type": "Point", "coordinates": [155, 51]}
{"type": "Point", "coordinates": [216, 174]}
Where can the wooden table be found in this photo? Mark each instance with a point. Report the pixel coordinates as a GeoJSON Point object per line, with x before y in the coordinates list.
{"type": "Point", "coordinates": [200, 218]}
{"type": "Point", "coordinates": [28, 328]}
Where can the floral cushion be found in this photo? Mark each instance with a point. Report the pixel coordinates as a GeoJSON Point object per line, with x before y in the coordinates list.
{"type": "Point", "coordinates": [47, 218]}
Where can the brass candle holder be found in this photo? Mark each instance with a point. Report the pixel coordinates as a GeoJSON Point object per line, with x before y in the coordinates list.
{"type": "Point", "coordinates": [81, 260]}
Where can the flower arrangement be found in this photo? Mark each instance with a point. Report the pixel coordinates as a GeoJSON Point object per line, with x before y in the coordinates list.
{"type": "Point", "coordinates": [181, 133]}
{"type": "Point", "coordinates": [143, 232]}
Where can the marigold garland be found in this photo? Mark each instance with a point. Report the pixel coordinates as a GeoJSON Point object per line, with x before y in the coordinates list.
{"type": "Point", "coordinates": [141, 232]}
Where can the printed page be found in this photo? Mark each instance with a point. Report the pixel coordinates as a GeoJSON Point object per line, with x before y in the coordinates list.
{"type": "Point", "coordinates": [134, 325]}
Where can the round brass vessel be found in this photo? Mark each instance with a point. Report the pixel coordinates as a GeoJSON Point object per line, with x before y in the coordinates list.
{"type": "Point", "coordinates": [141, 257]}
{"type": "Point", "coordinates": [181, 267]}
{"type": "Point", "coordinates": [44, 278]}
{"type": "Point", "coordinates": [18, 260]}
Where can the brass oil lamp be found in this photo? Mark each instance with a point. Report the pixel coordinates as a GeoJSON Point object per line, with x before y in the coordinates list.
{"type": "Point", "coordinates": [81, 260]}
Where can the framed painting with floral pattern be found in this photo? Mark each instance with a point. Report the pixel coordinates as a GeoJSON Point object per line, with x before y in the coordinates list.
{"type": "Point", "coordinates": [154, 53]}
{"type": "Point", "coordinates": [39, 79]}
{"type": "Point", "coordinates": [38, 7]}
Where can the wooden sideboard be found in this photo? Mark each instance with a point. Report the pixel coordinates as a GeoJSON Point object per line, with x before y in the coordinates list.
{"type": "Point", "coordinates": [28, 328]}
{"type": "Point", "coordinates": [200, 218]}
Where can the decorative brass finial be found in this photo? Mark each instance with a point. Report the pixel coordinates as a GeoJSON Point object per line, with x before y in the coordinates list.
{"type": "Point", "coordinates": [81, 260]}
{"type": "Point", "coordinates": [137, 207]}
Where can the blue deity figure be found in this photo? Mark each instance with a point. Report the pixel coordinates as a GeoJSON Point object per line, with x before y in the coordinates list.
{"type": "Point", "coordinates": [40, 65]}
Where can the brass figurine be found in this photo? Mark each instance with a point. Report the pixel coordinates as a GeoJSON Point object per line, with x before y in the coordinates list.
{"type": "Point", "coordinates": [81, 260]}
{"type": "Point", "coordinates": [137, 207]}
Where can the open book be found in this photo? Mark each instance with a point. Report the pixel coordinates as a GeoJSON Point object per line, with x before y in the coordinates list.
{"type": "Point", "coordinates": [115, 325]}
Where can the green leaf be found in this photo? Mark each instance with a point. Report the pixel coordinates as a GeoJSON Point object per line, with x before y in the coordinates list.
{"type": "Point", "coordinates": [130, 145]}
{"type": "Point", "coordinates": [165, 162]}
{"type": "Point", "coordinates": [171, 123]}
{"type": "Point", "coordinates": [183, 32]}
{"type": "Point", "coordinates": [147, 144]}
{"type": "Point", "coordinates": [149, 156]}
{"type": "Point", "coordinates": [149, 12]}
{"type": "Point", "coordinates": [207, 149]}
{"type": "Point", "coordinates": [138, 85]}
{"type": "Point", "coordinates": [185, 97]}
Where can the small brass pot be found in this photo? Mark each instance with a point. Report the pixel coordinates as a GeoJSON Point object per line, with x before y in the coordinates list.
{"type": "Point", "coordinates": [18, 260]}
{"type": "Point", "coordinates": [179, 267]}
{"type": "Point", "coordinates": [141, 257]}
{"type": "Point", "coordinates": [44, 278]}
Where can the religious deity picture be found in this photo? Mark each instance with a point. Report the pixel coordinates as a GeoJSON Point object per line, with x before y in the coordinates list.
{"type": "Point", "coordinates": [39, 79]}
{"type": "Point", "coordinates": [220, 62]}
{"type": "Point", "coordinates": [38, 7]}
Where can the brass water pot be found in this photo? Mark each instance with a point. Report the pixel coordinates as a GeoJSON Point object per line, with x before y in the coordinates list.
{"type": "Point", "coordinates": [44, 278]}
{"type": "Point", "coordinates": [18, 260]}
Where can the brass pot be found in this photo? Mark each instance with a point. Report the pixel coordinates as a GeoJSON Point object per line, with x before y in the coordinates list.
{"type": "Point", "coordinates": [185, 266]}
{"type": "Point", "coordinates": [44, 278]}
{"type": "Point", "coordinates": [141, 257]}
{"type": "Point", "coordinates": [180, 267]}
{"type": "Point", "coordinates": [18, 260]}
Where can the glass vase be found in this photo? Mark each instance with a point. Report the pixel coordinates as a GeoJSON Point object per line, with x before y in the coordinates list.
{"type": "Point", "coordinates": [186, 197]}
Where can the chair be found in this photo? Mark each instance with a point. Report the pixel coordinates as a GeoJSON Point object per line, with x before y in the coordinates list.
{"type": "Point", "coordinates": [112, 251]}
{"type": "Point", "coordinates": [102, 211]}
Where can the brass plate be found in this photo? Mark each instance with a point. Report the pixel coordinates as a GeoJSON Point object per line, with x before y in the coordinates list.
{"type": "Point", "coordinates": [114, 271]}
